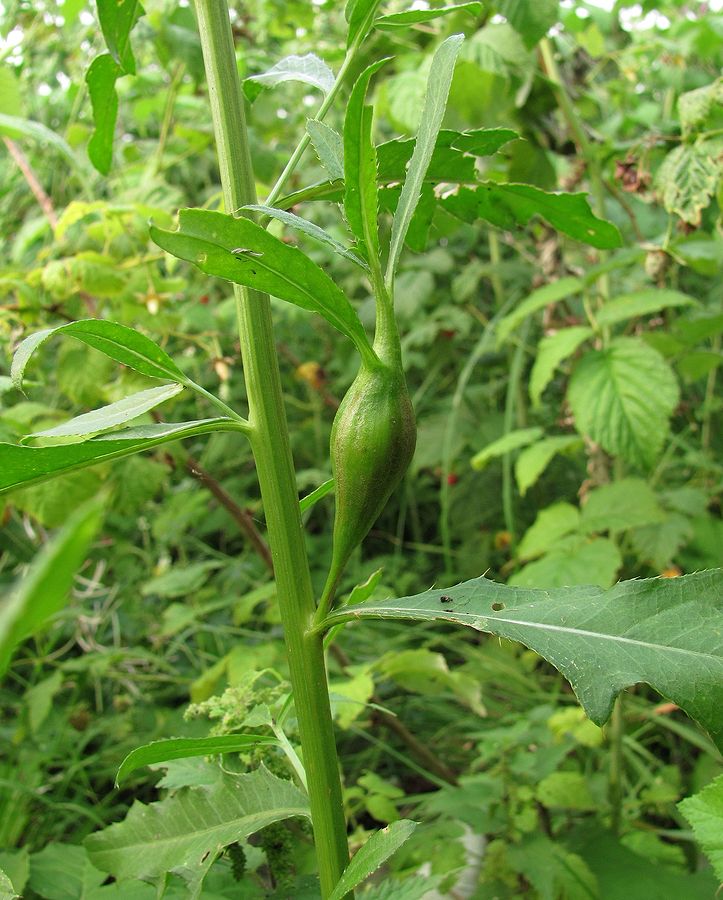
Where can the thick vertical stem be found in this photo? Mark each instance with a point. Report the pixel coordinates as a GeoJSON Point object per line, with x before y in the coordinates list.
{"type": "Point", "coordinates": [274, 465]}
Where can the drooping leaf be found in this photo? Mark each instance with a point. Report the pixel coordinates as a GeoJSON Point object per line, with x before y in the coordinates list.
{"type": "Point", "coordinates": [117, 18]}
{"type": "Point", "coordinates": [101, 77]}
{"type": "Point", "coordinates": [44, 589]}
{"type": "Point", "coordinates": [310, 229]}
{"type": "Point", "coordinates": [539, 299]}
{"type": "Point", "coordinates": [361, 202]}
{"type": "Point", "coordinates": [533, 460]}
{"type": "Point", "coordinates": [513, 440]}
{"type": "Point", "coordinates": [375, 852]}
{"type": "Point", "coordinates": [509, 205]}
{"type": "Point", "coordinates": [622, 398]}
{"type": "Point", "coordinates": [185, 748]}
{"type": "Point", "coordinates": [329, 146]}
{"type": "Point", "coordinates": [435, 104]}
{"type": "Point", "coordinates": [308, 69]}
{"type": "Point", "coordinates": [124, 345]}
{"type": "Point", "coordinates": [186, 831]}
{"type": "Point", "coordinates": [23, 466]}
{"type": "Point", "coordinates": [416, 16]}
{"type": "Point", "coordinates": [665, 632]}
{"type": "Point", "coordinates": [704, 811]}
{"type": "Point", "coordinates": [551, 351]}
{"type": "Point", "coordinates": [241, 251]}
{"type": "Point", "coordinates": [107, 417]}
{"type": "Point", "coordinates": [532, 20]}
{"type": "Point", "coordinates": [20, 129]}
{"type": "Point", "coordinates": [641, 303]}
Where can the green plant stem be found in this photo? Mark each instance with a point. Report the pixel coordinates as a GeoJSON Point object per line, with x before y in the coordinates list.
{"type": "Point", "coordinates": [616, 734]}
{"type": "Point", "coordinates": [270, 443]}
{"type": "Point", "coordinates": [516, 365]}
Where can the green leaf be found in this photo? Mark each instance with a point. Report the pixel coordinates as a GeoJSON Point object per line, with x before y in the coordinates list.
{"type": "Point", "coordinates": [124, 345]}
{"type": "Point", "coordinates": [533, 461]}
{"type": "Point", "coordinates": [186, 831]}
{"type": "Point", "coordinates": [549, 867]}
{"type": "Point", "coordinates": [117, 18]}
{"type": "Point", "coordinates": [509, 205]}
{"type": "Point", "coordinates": [551, 351]}
{"type": "Point", "coordinates": [241, 251]}
{"type": "Point", "coordinates": [532, 20]}
{"type": "Point", "coordinates": [43, 591]}
{"type": "Point", "coordinates": [360, 16]}
{"type": "Point", "coordinates": [308, 69]}
{"type": "Point", "coordinates": [313, 498]}
{"type": "Point", "coordinates": [551, 524]}
{"type": "Point", "coordinates": [101, 77]}
{"type": "Point", "coordinates": [484, 141]}
{"type": "Point", "coordinates": [415, 16]}
{"type": "Point", "coordinates": [687, 180]}
{"type": "Point", "coordinates": [542, 297]}
{"type": "Point", "coordinates": [310, 229]}
{"type": "Point", "coordinates": [435, 104]}
{"type": "Point", "coordinates": [23, 466]}
{"type": "Point", "coordinates": [641, 303]}
{"type": "Point", "coordinates": [622, 397]}
{"type": "Point", "coordinates": [666, 632]}
{"type": "Point", "coordinates": [329, 146]}
{"type": "Point", "coordinates": [7, 892]}
{"type": "Point", "coordinates": [64, 872]}
{"type": "Point", "coordinates": [375, 852]}
{"type": "Point", "coordinates": [20, 129]}
{"type": "Point", "coordinates": [361, 201]}
{"type": "Point", "coordinates": [99, 420]}
{"type": "Point", "coordinates": [573, 560]}
{"type": "Point", "coordinates": [183, 748]}
{"type": "Point", "coordinates": [11, 101]}
{"type": "Point", "coordinates": [623, 504]}
{"type": "Point", "coordinates": [704, 811]}
{"type": "Point", "coordinates": [513, 440]}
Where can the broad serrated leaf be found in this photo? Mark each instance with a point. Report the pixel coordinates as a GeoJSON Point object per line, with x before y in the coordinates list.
{"type": "Point", "coordinates": [63, 872]}
{"type": "Point", "coordinates": [101, 77]}
{"type": "Point", "coordinates": [665, 632]}
{"type": "Point", "coordinates": [533, 461]}
{"type": "Point", "coordinates": [435, 104]}
{"type": "Point", "coordinates": [574, 560]}
{"type": "Point", "coordinates": [375, 852]}
{"type": "Point", "coordinates": [539, 299]}
{"type": "Point", "coordinates": [117, 18]}
{"type": "Point", "coordinates": [186, 831]}
{"type": "Point", "coordinates": [704, 811]}
{"type": "Point", "coordinates": [329, 146]}
{"type": "Point", "coordinates": [687, 179]}
{"type": "Point", "coordinates": [99, 420]}
{"type": "Point", "coordinates": [185, 748]}
{"type": "Point", "coordinates": [241, 251]}
{"type": "Point", "coordinates": [641, 303]}
{"type": "Point", "coordinates": [308, 69]}
{"type": "Point", "coordinates": [416, 16]}
{"type": "Point", "coordinates": [695, 106]}
{"type": "Point", "coordinates": [44, 589]}
{"type": "Point", "coordinates": [510, 205]}
{"type": "Point", "coordinates": [24, 466]}
{"type": "Point", "coordinates": [361, 200]}
{"type": "Point", "coordinates": [551, 524]}
{"type": "Point", "coordinates": [623, 504]}
{"type": "Point", "coordinates": [622, 398]}
{"type": "Point", "coordinates": [532, 20]}
{"type": "Point", "coordinates": [513, 440]}
{"type": "Point", "coordinates": [551, 351]}
{"type": "Point", "coordinates": [310, 229]}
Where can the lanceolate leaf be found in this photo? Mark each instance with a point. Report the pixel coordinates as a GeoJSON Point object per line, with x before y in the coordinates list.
{"type": "Point", "coordinates": [310, 229]}
{"type": "Point", "coordinates": [99, 420]}
{"type": "Point", "coordinates": [101, 77]}
{"type": "Point", "coordinates": [510, 205]}
{"type": "Point", "coordinates": [361, 201]}
{"type": "Point", "coordinates": [23, 466]}
{"type": "Point", "coordinates": [539, 299]}
{"type": "Point", "coordinates": [360, 16]}
{"type": "Point", "coordinates": [622, 398]}
{"type": "Point", "coordinates": [641, 303]}
{"type": "Point", "coordinates": [435, 104]}
{"type": "Point", "coordinates": [43, 591]}
{"type": "Point", "coordinates": [666, 632]}
{"type": "Point", "coordinates": [415, 16]}
{"type": "Point", "coordinates": [124, 345]}
{"type": "Point", "coordinates": [377, 850]}
{"type": "Point", "coordinates": [184, 748]}
{"type": "Point", "coordinates": [187, 831]}
{"type": "Point", "coordinates": [552, 350]}
{"type": "Point", "coordinates": [241, 251]}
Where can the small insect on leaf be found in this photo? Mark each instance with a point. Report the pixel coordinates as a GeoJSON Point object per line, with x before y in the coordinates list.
{"type": "Point", "coordinates": [445, 599]}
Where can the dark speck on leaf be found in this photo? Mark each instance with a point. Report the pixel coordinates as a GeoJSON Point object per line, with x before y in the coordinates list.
{"type": "Point", "coordinates": [445, 599]}
{"type": "Point", "coordinates": [498, 606]}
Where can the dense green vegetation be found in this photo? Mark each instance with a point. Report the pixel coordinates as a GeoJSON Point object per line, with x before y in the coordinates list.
{"type": "Point", "coordinates": [552, 262]}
